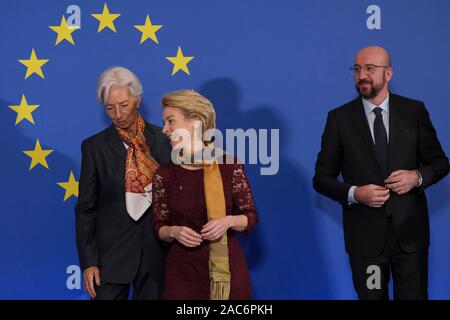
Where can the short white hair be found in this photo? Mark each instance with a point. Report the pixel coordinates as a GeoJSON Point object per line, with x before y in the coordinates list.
{"type": "Point", "coordinates": [117, 77]}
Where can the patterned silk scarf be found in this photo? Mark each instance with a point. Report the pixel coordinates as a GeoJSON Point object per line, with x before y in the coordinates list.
{"type": "Point", "coordinates": [139, 170]}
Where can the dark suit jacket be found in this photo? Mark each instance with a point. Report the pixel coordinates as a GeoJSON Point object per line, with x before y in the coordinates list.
{"type": "Point", "coordinates": [348, 149]}
{"type": "Point", "coordinates": [106, 235]}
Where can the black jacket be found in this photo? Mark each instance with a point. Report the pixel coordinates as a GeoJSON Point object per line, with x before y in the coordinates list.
{"type": "Point", "coordinates": [106, 235]}
{"type": "Point", "coordinates": [348, 149]}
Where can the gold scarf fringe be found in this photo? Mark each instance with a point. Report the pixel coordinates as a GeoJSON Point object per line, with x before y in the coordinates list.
{"type": "Point", "coordinates": [220, 290]}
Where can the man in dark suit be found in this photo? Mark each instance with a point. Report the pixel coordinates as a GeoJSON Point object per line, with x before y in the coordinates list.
{"type": "Point", "coordinates": [116, 245]}
{"type": "Point", "coordinates": [388, 153]}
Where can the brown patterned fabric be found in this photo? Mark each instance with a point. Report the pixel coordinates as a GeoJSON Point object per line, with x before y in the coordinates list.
{"type": "Point", "coordinates": [140, 166]}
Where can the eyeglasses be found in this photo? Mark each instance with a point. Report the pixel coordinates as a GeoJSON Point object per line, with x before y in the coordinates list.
{"type": "Point", "coordinates": [368, 68]}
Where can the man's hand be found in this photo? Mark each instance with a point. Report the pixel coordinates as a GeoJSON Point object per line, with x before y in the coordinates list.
{"type": "Point", "coordinates": [401, 181]}
{"type": "Point", "coordinates": [91, 274]}
{"type": "Point", "coordinates": [371, 195]}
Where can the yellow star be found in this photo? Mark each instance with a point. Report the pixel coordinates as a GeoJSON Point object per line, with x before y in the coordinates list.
{"type": "Point", "coordinates": [64, 31]}
{"type": "Point", "coordinates": [180, 62]}
{"type": "Point", "coordinates": [148, 30]}
{"type": "Point", "coordinates": [24, 110]}
{"type": "Point", "coordinates": [38, 156]}
{"type": "Point", "coordinates": [71, 187]}
{"type": "Point", "coordinates": [106, 19]}
{"type": "Point", "coordinates": [33, 65]}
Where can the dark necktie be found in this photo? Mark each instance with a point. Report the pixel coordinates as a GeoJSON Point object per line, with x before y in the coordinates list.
{"type": "Point", "coordinates": [381, 148]}
{"type": "Point", "coordinates": [381, 142]}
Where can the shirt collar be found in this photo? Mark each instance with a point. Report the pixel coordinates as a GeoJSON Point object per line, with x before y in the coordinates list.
{"type": "Point", "coordinates": [368, 106]}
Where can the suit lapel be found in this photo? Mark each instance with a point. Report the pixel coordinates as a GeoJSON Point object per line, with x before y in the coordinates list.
{"type": "Point", "coordinates": [359, 117]}
{"type": "Point", "coordinates": [396, 125]}
{"type": "Point", "coordinates": [115, 142]}
{"type": "Point", "coordinates": [150, 135]}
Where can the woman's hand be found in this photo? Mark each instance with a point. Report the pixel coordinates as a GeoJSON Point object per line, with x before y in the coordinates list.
{"type": "Point", "coordinates": [214, 229]}
{"type": "Point", "coordinates": [186, 236]}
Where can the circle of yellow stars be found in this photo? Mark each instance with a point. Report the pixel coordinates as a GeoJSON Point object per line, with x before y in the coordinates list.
{"type": "Point", "coordinates": [34, 65]}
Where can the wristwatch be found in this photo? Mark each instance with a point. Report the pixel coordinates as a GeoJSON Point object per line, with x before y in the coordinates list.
{"type": "Point", "coordinates": [419, 180]}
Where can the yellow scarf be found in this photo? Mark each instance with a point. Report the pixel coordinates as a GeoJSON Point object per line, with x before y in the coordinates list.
{"type": "Point", "coordinates": [219, 264]}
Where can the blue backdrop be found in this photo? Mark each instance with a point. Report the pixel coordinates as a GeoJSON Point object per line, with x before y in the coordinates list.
{"type": "Point", "coordinates": [264, 64]}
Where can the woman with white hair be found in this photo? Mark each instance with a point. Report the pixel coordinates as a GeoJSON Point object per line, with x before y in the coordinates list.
{"type": "Point", "coordinates": [116, 248]}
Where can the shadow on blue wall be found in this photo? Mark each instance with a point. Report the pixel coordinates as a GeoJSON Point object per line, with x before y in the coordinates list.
{"type": "Point", "coordinates": [275, 256]}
